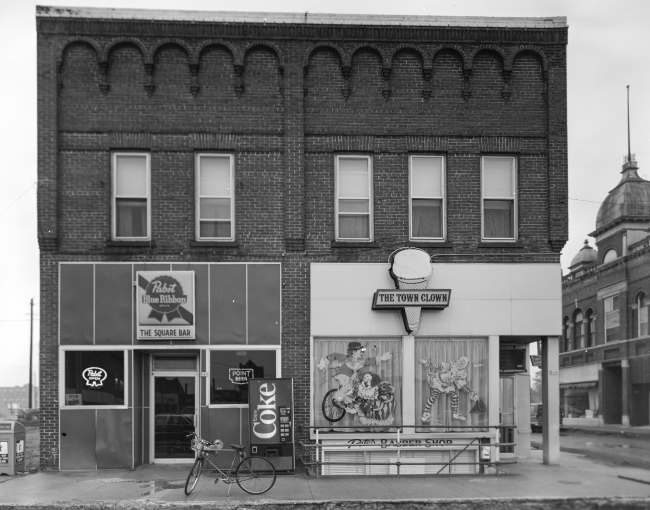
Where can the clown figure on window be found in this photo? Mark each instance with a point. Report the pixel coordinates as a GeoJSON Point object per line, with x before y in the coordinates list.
{"type": "Point", "coordinates": [448, 377]}
{"type": "Point", "coordinates": [361, 393]}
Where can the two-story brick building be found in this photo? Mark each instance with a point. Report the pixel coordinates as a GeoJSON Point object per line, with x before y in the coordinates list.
{"type": "Point", "coordinates": [605, 365]}
{"type": "Point", "coordinates": [223, 194]}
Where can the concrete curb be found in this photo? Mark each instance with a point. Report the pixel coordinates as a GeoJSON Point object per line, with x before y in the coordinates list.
{"type": "Point", "coordinates": [410, 504]}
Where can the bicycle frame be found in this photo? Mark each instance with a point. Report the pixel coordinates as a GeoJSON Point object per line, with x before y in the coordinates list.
{"type": "Point", "coordinates": [226, 475]}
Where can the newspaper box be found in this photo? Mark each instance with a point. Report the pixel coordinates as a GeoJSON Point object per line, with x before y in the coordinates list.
{"type": "Point", "coordinates": [12, 448]}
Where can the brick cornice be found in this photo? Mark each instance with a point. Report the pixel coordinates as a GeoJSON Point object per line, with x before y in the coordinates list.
{"type": "Point", "coordinates": [450, 35]}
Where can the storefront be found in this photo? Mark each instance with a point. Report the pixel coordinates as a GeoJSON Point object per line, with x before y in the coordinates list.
{"type": "Point", "coordinates": [446, 359]}
{"type": "Point", "coordinates": [151, 352]}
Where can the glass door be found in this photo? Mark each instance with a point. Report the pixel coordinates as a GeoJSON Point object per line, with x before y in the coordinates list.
{"type": "Point", "coordinates": [507, 414]}
{"type": "Point", "coordinates": [174, 415]}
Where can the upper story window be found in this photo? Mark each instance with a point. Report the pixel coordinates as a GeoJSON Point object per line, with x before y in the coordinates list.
{"type": "Point", "coordinates": [578, 330]}
{"type": "Point", "coordinates": [609, 256]}
{"type": "Point", "coordinates": [215, 198]}
{"type": "Point", "coordinates": [499, 198]}
{"type": "Point", "coordinates": [566, 332]}
{"type": "Point", "coordinates": [427, 197]}
{"type": "Point", "coordinates": [353, 198]}
{"type": "Point", "coordinates": [642, 314]}
{"type": "Point", "coordinates": [131, 196]}
{"type": "Point", "coordinates": [612, 319]}
{"type": "Point", "coordinates": [591, 328]}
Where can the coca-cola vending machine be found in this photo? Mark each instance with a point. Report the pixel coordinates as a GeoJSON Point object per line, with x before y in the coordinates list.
{"type": "Point", "coordinates": [270, 416]}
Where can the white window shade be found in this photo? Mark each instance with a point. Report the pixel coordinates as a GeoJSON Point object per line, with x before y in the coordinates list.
{"type": "Point", "coordinates": [498, 179]}
{"type": "Point", "coordinates": [131, 176]}
{"type": "Point", "coordinates": [353, 178]}
{"type": "Point", "coordinates": [215, 176]}
{"type": "Point", "coordinates": [426, 177]}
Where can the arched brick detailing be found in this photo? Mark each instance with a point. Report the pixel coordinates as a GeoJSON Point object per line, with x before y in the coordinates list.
{"type": "Point", "coordinates": [73, 40]}
{"type": "Point", "coordinates": [195, 58]}
{"type": "Point", "coordinates": [276, 49]}
{"type": "Point", "coordinates": [146, 54]}
{"type": "Point", "coordinates": [467, 62]}
{"type": "Point", "coordinates": [531, 49]}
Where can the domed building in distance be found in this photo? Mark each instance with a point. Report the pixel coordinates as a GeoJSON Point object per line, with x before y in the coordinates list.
{"type": "Point", "coordinates": [605, 349]}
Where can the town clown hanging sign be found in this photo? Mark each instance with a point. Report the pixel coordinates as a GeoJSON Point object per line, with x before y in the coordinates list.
{"type": "Point", "coordinates": [410, 269]}
{"type": "Point", "coordinates": [165, 305]}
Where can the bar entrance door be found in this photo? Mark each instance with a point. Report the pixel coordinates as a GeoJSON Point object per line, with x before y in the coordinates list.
{"type": "Point", "coordinates": [175, 402]}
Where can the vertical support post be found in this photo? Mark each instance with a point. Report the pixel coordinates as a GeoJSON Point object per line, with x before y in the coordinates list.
{"type": "Point", "coordinates": [625, 371]}
{"type": "Point", "coordinates": [601, 418]}
{"type": "Point", "coordinates": [31, 348]}
{"type": "Point", "coordinates": [494, 393]}
{"type": "Point", "coordinates": [550, 400]}
{"type": "Point", "coordinates": [408, 383]}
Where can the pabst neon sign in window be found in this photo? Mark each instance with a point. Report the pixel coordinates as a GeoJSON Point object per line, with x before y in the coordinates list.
{"type": "Point", "coordinates": [165, 305]}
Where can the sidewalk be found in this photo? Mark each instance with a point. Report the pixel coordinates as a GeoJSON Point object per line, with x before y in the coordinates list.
{"type": "Point", "coordinates": [611, 429]}
{"type": "Point", "coordinates": [526, 484]}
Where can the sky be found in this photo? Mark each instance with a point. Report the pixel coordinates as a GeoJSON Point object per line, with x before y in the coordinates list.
{"type": "Point", "coordinates": [607, 51]}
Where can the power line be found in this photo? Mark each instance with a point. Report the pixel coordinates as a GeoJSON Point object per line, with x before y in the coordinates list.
{"type": "Point", "coordinates": [21, 196]}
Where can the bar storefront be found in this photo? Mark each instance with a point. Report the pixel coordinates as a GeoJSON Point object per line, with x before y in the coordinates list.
{"type": "Point", "coordinates": [418, 362]}
{"type": "Point", "coordinates": [150, 352]}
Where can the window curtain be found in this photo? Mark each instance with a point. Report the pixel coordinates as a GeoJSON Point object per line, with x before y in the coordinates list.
{"type": "Point", "coordinates": [427, 218]}
{"type": "Point", "coordinates": [439, 351]}
{"type": "Point", "coordinates": [131, 218]}
{"type": "Point", "coordinates": [389, 372]}
{"type": "Point", "coordinates": [354, 227]}
{"type": "Point", "coordinates": [499, 219]}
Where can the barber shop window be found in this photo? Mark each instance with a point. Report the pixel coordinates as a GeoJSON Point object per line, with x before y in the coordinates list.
{"type": "Point", "coordinates": [451, 383]}
{"type": "Point", "coordinates": [499, 195]}
{"type": "Point", "coordinates": [357, 383]}
{"type": "Point", "coordinates": [231, 370]}
{"type": "Point", "coordinates": [94, 378]}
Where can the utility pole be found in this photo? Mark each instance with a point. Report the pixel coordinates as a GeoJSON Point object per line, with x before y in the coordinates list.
{"type": "Point", "coordinates": [31, 343]}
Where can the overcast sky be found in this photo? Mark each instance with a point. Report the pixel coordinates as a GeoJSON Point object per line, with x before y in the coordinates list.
{"type": "Point", "coordinates": [608, 49]}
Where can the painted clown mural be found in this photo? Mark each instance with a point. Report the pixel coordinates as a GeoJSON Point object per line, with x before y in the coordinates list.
{"type": "Point", "coordinates": [357, 382]}
{"type": "Point", "coordinates": [451, 381]}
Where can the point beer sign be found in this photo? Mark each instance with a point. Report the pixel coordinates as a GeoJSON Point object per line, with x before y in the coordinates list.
{"type": "Point", "coordinates": [165, 305]}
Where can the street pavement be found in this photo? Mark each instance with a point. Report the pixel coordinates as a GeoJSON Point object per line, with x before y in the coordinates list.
{"type": "Point", "coordinates": [528, 483]}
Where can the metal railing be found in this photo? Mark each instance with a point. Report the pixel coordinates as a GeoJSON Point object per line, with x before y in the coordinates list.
{"type": "Point", "coordinates": [312, 453]}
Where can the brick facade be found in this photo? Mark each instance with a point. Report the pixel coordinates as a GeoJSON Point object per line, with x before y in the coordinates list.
{"type": "Point", "coordinates": [284, 99]}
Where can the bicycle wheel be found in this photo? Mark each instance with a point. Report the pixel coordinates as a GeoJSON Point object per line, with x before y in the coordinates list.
{"type": "Point", "coordinates": [193, 477]}
{"type": "Point", "coordinates": [255, 475]}
{"type": "Point", "coordinates": [332, 410]}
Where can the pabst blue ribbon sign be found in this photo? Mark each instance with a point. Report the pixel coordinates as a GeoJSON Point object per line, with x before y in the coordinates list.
{"type": "Point", "coordinates": [165, 305]}
{"type": "Point", "coordinates": [94, 376]}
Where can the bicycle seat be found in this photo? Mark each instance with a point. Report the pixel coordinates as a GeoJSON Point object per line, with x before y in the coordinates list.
{"type": "Point", "coordinates": [238, 447]}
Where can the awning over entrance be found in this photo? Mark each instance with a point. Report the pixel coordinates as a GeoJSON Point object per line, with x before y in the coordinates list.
{"type": "Point", "coordinates": [590, 384]}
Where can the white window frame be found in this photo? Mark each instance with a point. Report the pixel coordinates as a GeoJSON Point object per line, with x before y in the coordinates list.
{"type": "Point", "coordinates": [610, 256]}
{"type": "Point", "coordinates": [369, 198]}
{"type": "Point", "coordinates": [612, 311]}
{"type": "Point", "coordinates": [443, 197]}
{"type": "Point", "coordinates": [86, 348]}
{"type": "Point", "coordinates": [643, 296]}
{"type": "Point", "coordinates": [114, 196]}
{"type": "Point", "coordinates": [198, 196]}
{"type": "Point", "coordinates": [514, 199]}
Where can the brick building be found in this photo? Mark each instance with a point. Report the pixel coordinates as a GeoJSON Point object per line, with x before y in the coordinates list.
{"type": "Point", "coordinates": [225, 193]}
{"type": "Point", "coordinates": [605, 360]}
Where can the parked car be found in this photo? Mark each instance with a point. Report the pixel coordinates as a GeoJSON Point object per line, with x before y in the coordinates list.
{"type": "Point", "coordinates": [25, 414]}
{"type": "Point", "coordinates": [536, 417]}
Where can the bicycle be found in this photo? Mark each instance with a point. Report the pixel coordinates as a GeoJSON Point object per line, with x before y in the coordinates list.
{"type": "Point", "coordinates": [254, 475]}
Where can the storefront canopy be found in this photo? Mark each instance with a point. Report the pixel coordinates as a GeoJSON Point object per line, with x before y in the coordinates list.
{"type": "Point", "coordinates": [590, 384]}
